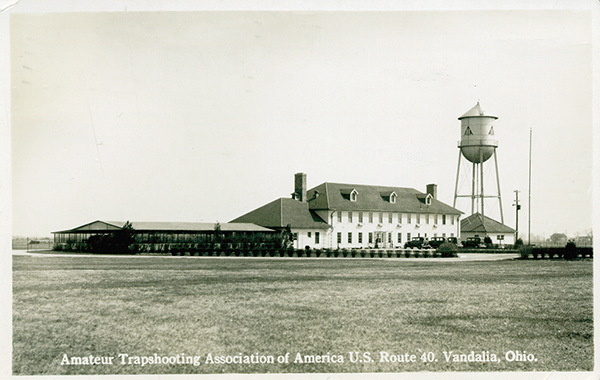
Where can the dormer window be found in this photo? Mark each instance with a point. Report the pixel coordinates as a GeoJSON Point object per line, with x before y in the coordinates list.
{"type": "Point", "coordinates": [389, 196]}
{"type": "Point", "coordinates": [349, 194]}
{"type": "Point", "coordinates": [428, 199]}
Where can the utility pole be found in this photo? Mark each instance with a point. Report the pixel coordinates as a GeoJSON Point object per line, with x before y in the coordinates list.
{"type": "Point", "coordinates": [529, 203]}
{"type": "Point", "coordinates": [518, 207]}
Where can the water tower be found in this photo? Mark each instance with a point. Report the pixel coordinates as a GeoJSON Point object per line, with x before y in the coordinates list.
{"type": "Point", "coordinates": [477, 145]}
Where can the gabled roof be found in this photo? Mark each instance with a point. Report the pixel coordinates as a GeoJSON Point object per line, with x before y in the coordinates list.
{"type": "Point", "coordinates": [482, 223]}
{"type": "Point", "coordinates": [99, 226]}
{"type": "Point", "coordinates": [475, 112]}
{"type": "Point", "coordinates": [370, 199]}
{"type": "Point", "coordinates": [282, 212]}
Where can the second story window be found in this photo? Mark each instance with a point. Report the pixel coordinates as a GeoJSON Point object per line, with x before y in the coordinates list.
{"type": "Point", "coordinates": [349, 216]}
{"type": "Point", "coordinates": [360, 217]}
{"type": "Point", "coordinates": [339, 215]}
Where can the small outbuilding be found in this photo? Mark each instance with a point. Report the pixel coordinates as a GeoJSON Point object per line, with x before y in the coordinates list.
{"type": "Point", "coordinates": [481, 226]}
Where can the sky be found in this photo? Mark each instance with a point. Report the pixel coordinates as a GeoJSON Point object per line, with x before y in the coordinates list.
{"type": "Point", "coordinates": [204, 116]}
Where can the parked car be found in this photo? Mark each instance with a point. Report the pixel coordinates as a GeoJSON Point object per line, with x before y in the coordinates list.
{"type": "Point", "coordinates": [472, 242]}
{"type": "Point", "coordinates": [452, 240]}
{"type": "Point", "coordinates": [416, 242]}
{"type": "Point", "coordinates": [435, 242]}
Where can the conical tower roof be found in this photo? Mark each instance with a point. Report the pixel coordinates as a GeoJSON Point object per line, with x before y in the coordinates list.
{"type": "Point", "coordinates": [475, 112]}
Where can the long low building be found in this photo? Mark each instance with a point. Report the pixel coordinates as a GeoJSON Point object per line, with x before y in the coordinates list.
{"type": "Point", "coordinates": [160, 232]}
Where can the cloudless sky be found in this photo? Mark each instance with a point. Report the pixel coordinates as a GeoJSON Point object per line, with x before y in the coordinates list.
{"type": "Point", "coordinates": [204, 116]}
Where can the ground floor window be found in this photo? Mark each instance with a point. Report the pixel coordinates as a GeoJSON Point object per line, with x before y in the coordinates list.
{"type": "Point", "coordinates": [295, 236]}
{"type": "Point", "coordinates": [339, 238]}
{"type": "Point", "coordinates": [399, 237]}
{"type": "Point", "coordinates": [317, 238]}
{"type": "Point", "coordinates": [360, 238]}
{"type": "Point", "coordinates": [408, 236]}
{"type": "Point", "coordinates": [370, 238]}
{"type": "Point", "coordinates": [349, 237]}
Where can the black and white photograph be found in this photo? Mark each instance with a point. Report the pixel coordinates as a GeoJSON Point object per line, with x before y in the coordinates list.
{"type": "Point", "coordinates": [270, 189]}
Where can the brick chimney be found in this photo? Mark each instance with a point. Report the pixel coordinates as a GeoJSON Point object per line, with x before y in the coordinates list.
{"type": "Point", "coordinates": [300, 187]}
{"type": "Point", "coordinates": [432, 189]}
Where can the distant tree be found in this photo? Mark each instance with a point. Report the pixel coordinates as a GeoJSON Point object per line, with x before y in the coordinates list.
{"type": "Point", "coordinates": [286, 236]}
{"type": "Point", "coordinates": [217, 231]}
{"type": "Point", "coordinates": [488, 242]}
{"type": "Point", "coordinates": [518, 243]}
{"type": "Point", "coordinates": [570, 250]}
{"type": "Point", "coordinates": [124, 239]}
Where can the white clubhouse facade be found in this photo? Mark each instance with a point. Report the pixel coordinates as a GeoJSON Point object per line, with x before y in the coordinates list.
{"type": "Point", "coordinates": [335, 215]}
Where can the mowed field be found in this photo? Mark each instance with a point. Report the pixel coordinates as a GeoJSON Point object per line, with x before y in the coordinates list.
{"type": "Point", "coordinates": [245, 308]}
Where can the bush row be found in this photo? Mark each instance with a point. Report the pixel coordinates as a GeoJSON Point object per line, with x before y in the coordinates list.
{"type": "Point", "coordinates": [290, 252]}
{"type": "Point", "coordinates": [566, 253]}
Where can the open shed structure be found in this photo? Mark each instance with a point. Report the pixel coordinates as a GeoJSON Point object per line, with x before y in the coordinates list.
{"type": "Point", "coordinates": [162, 232]}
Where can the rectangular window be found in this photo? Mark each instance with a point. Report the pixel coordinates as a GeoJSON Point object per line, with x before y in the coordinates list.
{"type": "Point", "coordinates": [444, 235]}
{"type": "Point", "coordinates": [399, 218]}
{"type": "Point", "coordinates": [435, 219]}
{"type": "Point", "coordinates": [390, 218]}
{"type": "Point", "coordinates": [381, 217]}
{"type": "Point", "coordinates": [309, 234]}
{"type": "Point", "coordinates": [339, 238]}
{"type": "Point", "coordinates": [339, 214]}
{"type": "Point", "coordinates": [408, 236]}
{"type": "Point", "coordinates": [426, 218]}
{"type": "Point", "coordinates": [389, 237]}
{"type": "Point", "coordinates": [399, 237]}
{"type": "Point", "coordinates": [408, 218]}
{"type": "Point", "coordinates": [349, 216]}
{"type": "Point", "coordinates": [295, 236]}
{"type": "Point", "coordinates": [452, 219]}
{"type": "Point", "coordinates": [349, 237]}
{"type": "Point", "coordinates": [452, 234]}
{"type": "Point", "coordinates": [360, 238]}
{"type": "Point", "coordinates": [370, 238]}
{"type": "Point", "coordinates": [317, 238]}
{"type": "Point", "coordinates": [443, 219]}
{"type": "Point", "coordinates": [360, 217]}
{"type": "Point", "coordinates": [370, 217]}
{"type": "Point", "coordinates": [418, 218]}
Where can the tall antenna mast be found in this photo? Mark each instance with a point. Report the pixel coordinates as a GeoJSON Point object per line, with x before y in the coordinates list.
{"type": "Point", "coordinates": [529, 204]}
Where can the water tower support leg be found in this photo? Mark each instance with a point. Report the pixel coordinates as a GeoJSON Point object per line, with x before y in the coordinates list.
{"type": "Point", "coordinates": [473, 195]}
{"type": "Point", "coordinates": [456, 185]}
{"type": "Point", "coordinates": [498, 182]}
{"type": "Point", "coordinates": [481, 178]}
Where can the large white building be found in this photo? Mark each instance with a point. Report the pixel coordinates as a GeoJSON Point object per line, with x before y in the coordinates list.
{"type": "Point", "coordinates": [335, 215]}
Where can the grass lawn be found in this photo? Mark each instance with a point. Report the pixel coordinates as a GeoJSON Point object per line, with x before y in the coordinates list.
{"type": "Point", "coordinates": [191, 306]}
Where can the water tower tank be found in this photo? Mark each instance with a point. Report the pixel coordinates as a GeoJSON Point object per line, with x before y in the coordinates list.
{"type": "Point", "coordinates": [478, 142]}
